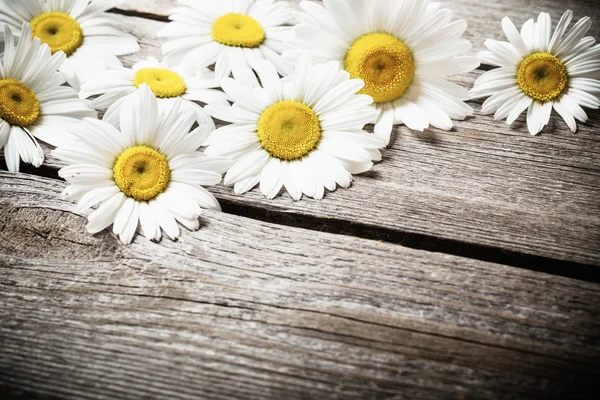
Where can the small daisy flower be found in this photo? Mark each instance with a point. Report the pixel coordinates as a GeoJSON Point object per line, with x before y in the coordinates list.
{"type": "Point", "coordinates": [303, 132]}
{"type": "Point", "coordinates": [403, 51]}
{"type": "Point", "coordinates": [33, 102]}
{"type": "Point", "coordinates": [148, 173]}
{"type": "Point", "coordinates": [228, 34]}
{"type": "Point", "coordinates": [79, 28]}
{"type": "Point", "coordinates": [540, 70]}
{"type": "Point", "coordinates": [116, 85]}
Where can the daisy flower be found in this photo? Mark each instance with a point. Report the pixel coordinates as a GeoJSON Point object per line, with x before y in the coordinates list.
{"type": "Point", "coordinates": [117, 84]}
{"type": "Point", "coordinates": [540, 70]}
{"type": "Point", "coordinates": [33, 102]}
{"type": "Point", "coordinates": [403, 50]}
{"type": "Point", "coordinates": [80, 28]}
{"type": "Point", "coordinates": [228, 34]}
{"type": "Point", "coordinates": [303, 132]}
{"type": "Point", "coordinates": [148, 173]}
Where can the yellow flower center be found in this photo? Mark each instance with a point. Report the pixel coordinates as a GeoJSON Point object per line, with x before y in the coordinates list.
{"type": "Point", "coordinates": [289, 130]}
{"type": "Point", "coordinates": [141, 172]}
{"type": "Point", "coordinates": [384, 63]}
{"type": "Point", "coordinates": [164, 83]}
{"type": "Point", "coordinates": [238, 30]}
{"type": "Point", "coordinates": [18, 104]}
{"type": "Point", "coordinates": [542, 76]}
{"type": "Point", "coordinates": [59, 31]}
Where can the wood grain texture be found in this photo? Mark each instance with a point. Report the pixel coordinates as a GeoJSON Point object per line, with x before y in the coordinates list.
{"type": "Point", "coordinates": [483, 183]}
{"type": "Point", "coordinates": [244, 309]}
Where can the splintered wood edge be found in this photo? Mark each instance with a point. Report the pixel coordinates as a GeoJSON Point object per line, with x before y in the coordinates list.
{"type": "Point", "coordinates": [239, 302]}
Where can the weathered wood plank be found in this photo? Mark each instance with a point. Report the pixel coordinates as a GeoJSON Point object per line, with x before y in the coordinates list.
{"type": "Point", "coordinates": [483, 183]}
{"type": "Point", "coordinates": [250, 309]}
{"type": "Point", "coordinates": [483, 17]}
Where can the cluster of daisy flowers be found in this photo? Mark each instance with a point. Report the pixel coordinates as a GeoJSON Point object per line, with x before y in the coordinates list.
{"type": "Point", "coordinates": [295, 90]}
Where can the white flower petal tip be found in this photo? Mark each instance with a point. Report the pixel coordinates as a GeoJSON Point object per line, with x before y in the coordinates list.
{"type": "Point", "coordinates": [176, 88]}
{"type": "Point", "coordinates": [302, 133]}
{"type": "Point", "coordinates": [47, 110]}
{"type": "Point", "coordinates": [95, 40]}
{"type": "Point", "coordinates": [540, 70]}
{"type": "Point", "coordinates": [156, 182]}
{"type": "Point", "coordinates": [202, 34]}
{"type": "Point", "coordinates": [346, 34]}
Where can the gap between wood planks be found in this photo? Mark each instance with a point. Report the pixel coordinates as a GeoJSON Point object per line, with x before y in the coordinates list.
{"type": "Point", "coordinates": [498, 255]}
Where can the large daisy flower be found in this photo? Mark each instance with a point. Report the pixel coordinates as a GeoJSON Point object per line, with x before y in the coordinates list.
{"type": "Point", "coordinates": [149, 172]}
{"type": "Point", "coordinates": [80, 28]}
{"type": "Point", "coordinates": [403, 50]}
{"type": "Point", "coordinates": [33, 102]}
{"type": "Point", "coordinates": [117, 84]}
{"type": "Point", "coordinates": [227, 33]}
{"type": "Point", "coordinates": [304, 133]}
{"type": "Point", "coordinates": [540, 70]}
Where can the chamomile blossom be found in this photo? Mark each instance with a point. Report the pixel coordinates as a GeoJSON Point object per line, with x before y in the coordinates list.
{"type": "Point", "coordinates": [80, 28]}
{"type": "Point", "coordinates": [148, 173]}
{"type": "Point", "coordinates": [540, 71]}
{"type": "Point", "coordinates": [33, 102]}
{"type": "Point", "coordinates": [303, 133]}
{"type": "Point", "coordinates": [228, 34]}
{"type": "Point", "coordinates": [117, 84]}
{"type": "Point", "coordinates": [403, 50]}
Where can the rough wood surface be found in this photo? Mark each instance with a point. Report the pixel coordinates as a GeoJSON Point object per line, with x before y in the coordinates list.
{"type": "Point", "coordinates": [245, 309]}
{"type": "Point", "coordinates": [483, 183]}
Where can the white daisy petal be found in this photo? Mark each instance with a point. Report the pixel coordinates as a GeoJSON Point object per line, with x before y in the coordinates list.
{"type": "Point", "coordinates": [251, 165]}
{"type": "Point", "coordinates": [4, 132]}
{"type": "Point", "coordinates": [558, 71]}
{"type": "Point", "coordinates": [165, 220]}
{"type": "Point", "coordinates": [30, 74]}
{"type": "Point", "coordinates": [276, 142]}
{"type": "Point", "coordinates": [105, 215]}
{"type": "Point", "coordinates": [585, 84]}
{"type": "Point", "coordinates": [234, 115]}
{"type": "Point", "coordinates": [242, 95]}
{"type": "Point", "coordinates": [270, 178]}
{"type": "Point", "coordinates": [149, 173]}
{"type": "Point", "coordinates": [566, 116]}
{"type": "Point", "coordinates": [148, 222]}
{"type": "Point", "coordinates": [204, 34]}
{"type": "Point", "coordinates": [269, 80]}
{"type": "Point", "coordinates": [584, 99]}
{"type": "Point", "coordinates": [169, 83]}
{"type": "Point", "coordinates": [410, 115]}
{"type": "Point", "coordinates": [513, 36]}
{"type": "Point", "coordinates": [521, 105]}
{"type": "Point", "coordinates": [574, 36]}
{"type": "Point", "coordinates": [543, 32]}
{"type": "Point", "coordinates": [361, 36]}
{"type": "Point", "coordinates": [97, 40]}
{"type": "Point", "coordinates": [560, 30]}
{"type": "Point", "coordinates": [385, 122]}
{"type": "Point", "coordinates": [527, 33]}
{"type": "Point", "coordinates": [303, 179]}
{"type": "Point", "coordinates": [573, 107]}
{"type": "Point", "coordinates": [246, 185]}
{"type": "Point", "coordinates": [538, 116]}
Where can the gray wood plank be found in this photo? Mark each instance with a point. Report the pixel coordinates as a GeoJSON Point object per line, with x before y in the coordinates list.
{"type": "Point", "coordinates": [483, 184]}
{"type": "Point", "coordinates": [249, 309]}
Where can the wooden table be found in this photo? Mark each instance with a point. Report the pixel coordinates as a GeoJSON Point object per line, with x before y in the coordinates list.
{"type": "Point", "coordinates": [463, 266]}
